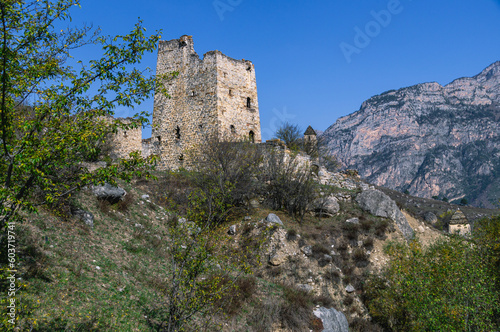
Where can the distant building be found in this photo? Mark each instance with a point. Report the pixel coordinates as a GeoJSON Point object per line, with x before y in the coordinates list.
{"type": "Point", "coordinates": [459, 224]}
{"type": "Point", "coordinates": [311, 142]}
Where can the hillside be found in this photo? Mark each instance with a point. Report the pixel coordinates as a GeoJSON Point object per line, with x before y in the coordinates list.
{"type": "Point", "coordinates": [114, 275]}
{"type": "Point", "coordinates": [429, 139]}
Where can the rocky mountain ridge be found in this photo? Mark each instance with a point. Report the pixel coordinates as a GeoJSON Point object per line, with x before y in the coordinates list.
{"type": "Point", "coordinates": [428, 139]}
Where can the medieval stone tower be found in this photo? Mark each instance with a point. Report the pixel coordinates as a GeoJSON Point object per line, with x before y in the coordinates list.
{"type": "Point", "coordinates": [216, 95]}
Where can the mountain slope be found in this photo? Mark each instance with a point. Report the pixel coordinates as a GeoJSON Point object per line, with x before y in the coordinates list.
{"type": "Point", "coordinates": [429, 139]}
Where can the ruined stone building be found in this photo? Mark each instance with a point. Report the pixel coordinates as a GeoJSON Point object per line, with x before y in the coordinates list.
{"type": "Point", "coordinates": [216, 95]}
{"type": "Point", "coordinates": [311, 142]}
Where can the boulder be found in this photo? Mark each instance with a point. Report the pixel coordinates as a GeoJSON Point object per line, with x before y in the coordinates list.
{"type": "Point", "coordinates": [349, 288]}
{"type": "Point", "coordinates": [353, 220]}
{"type": "Point", "coordinates": [381, 205]}
{"type": "Point", "coordinates": [277, 258]}
{"type": "Point", "coordinates": [307, 250]}
{"type": "Point", "coordinates": [333, 320]}
{"type": "Point", "coordinates": [232, 230]}
{"type": "Point", "coordinates": [85, 216]}
{"type": "Point", "coordinates": [109, 193]}
{"type": "Point", "coordinates": [254, 203]}
{"type": "Point", "coordinates": [326, 206]}
{"type": "Point", "coordinates": [430, 217]}
{"type": "Point", "coordinates": [272, 218]}
{"type": "Point", "coordinates": [304, 287]}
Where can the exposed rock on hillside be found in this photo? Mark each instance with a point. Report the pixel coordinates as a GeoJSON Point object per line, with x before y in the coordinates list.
{"type": "Point", "coordinates": [380, 205]}
{"type": "Point", "coordinates": [333, 320]}
{"type": "Point", "coordinates": [429, 139]}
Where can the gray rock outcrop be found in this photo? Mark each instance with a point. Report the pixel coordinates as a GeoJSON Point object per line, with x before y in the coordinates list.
{"type": "Point", "coordinates": [109, 193]}
{"type": "Point", "coordinates": [381, 205]}
{"type": "Point", "coordinates": [429, 139]}
{"type": "Point", "coordinates": [333, 320]}
{"type": "Point", "coordinates": [272, 218]}
{"type": "Point", "coordinates": [326, 206]}
{"type": "Point", "coordinates": [85, 216]}
{"type": "Point", "coordinates": [430, 217]}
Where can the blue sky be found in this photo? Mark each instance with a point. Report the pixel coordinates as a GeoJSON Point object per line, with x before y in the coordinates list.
{"type": "Point", "coordinates": [319, 60]}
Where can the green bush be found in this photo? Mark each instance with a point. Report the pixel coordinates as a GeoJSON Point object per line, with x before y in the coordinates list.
{"type": "Point", "coordinates": [449, 286]}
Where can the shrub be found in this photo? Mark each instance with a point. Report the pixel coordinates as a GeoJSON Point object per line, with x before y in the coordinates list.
{"type": "Point", "coordinates": [365, 225]}
{"type": "Point", "coordinates": [368, 243]}
{"type": "Point", "coordinates": [360, 257]}
{"type": "Point", "coordinates": [348, 300]}
{"type": "Point", "coordinates": [291, 235]}
{"type": "Point", "coordinates": [265, 315]}
{"type": "Point", "coordinates": [449, 286]}
{"type": "Point", "coordinates": [289, 183]}
{"type": "Point", "coordinates": [230, 166]}
{"type": "Point", "coordinates": [362, 325]}
{"type": "Point", "coordinates": [319, 250]}
{"type": "Point", "coordinates": [333, 275]}
{"type": "Point", "coordinates": [232, 301]}
{"type": "Point", "coordinates": [104, 206]}
{"type": "Point", "coordinates": [295, 313]}
{"type": "Point", "coordinates": [350, 230]}
{"type": "Point", "coordinates": [127, 201]}
{"type": "Point", "coordinates": [381, 226]}
{"type": "Point", "coordinates": [316, 324]}
{"type": "Point", "coordinates": [323, 300]}
{"type": "Point", "coordinates": [342, 245]}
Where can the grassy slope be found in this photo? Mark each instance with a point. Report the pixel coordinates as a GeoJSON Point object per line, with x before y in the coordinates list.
{"type": "Point", "coordinates": [104, 279]}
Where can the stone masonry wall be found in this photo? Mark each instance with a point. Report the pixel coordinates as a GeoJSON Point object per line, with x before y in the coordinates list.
{"type": "Point", "coordinates": [125, 141]}
{"type": "Point", "coordinates": [207, 97]}
{"type": "Point", "coordinates": [238, 106]}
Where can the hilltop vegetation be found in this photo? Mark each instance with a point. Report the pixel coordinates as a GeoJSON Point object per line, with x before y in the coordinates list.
{"type": "Point", "coordinates": [120, 274]}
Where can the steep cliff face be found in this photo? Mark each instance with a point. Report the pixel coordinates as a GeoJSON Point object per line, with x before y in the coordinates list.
{"type": "Point", "coordinates": [429, 139]}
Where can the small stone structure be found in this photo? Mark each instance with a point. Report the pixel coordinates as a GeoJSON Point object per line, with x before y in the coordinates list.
{"type": "Point", "coordinates": [311, 142]}
{"type": "Point", "coordinates": [459, 223]}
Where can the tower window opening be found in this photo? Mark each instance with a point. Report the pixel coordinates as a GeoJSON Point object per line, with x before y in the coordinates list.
{"type": "Point", "coordinates": [200, 126]}
{"type": "Point", "coordinates": [178, 132]}
{"type": "Point", "coordinates": [230, 92]}
{"type": "Point", "coordinates": [251, 136]}
{"type": "Point", "coordinates": [193, 93]}
{"type": "Point", "coordinates": [249, 68]}
{"type": "Point", "coordinates": [159, 138]}
{"type": "Point", "coordinates": [124, 134]}
{"type": "Point", "coordinates": [249, 102]}
{"type": "Point", "coordinates": [233, 130]}
{"type": "Point", "coordinates": [181, 157]}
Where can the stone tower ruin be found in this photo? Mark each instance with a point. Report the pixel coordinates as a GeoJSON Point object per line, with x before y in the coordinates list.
{"type": "Point", "coordinates": [216, 95]}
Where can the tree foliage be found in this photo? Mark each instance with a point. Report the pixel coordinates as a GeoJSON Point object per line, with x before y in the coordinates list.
{"type": "Point", "coordinates": [201, 275]}
{"type": "Point", "coordinates": [291, 135]}
{"type": "Point", "coordinates": [53, 116]}
{"type": "Point", "coordinates": [449, 286]}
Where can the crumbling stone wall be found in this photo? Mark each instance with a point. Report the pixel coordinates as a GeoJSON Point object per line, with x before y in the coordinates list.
{"type": "Point", "coordinates": [215, 95]}
{"type": "Point", "coordinates": [125, 141]}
